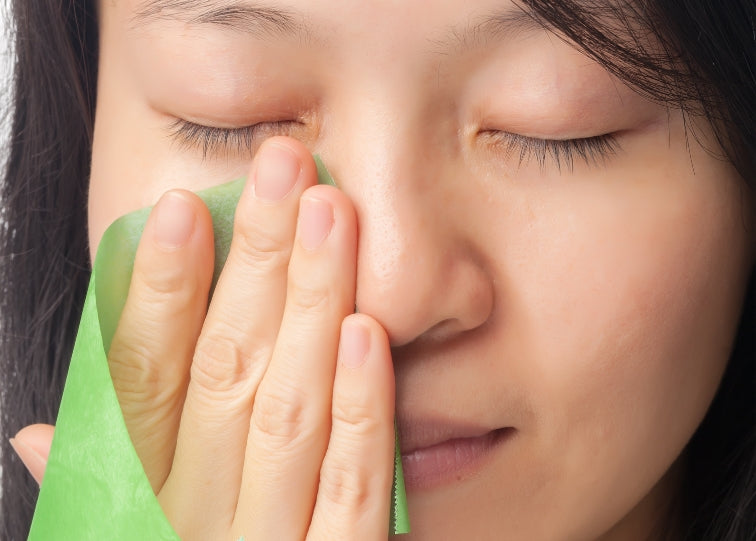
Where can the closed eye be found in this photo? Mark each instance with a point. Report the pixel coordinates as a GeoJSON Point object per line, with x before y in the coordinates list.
{"type": "Point", "coordinates": [214, 141]}
{"type": "Point", "coordinates": [563, 153]}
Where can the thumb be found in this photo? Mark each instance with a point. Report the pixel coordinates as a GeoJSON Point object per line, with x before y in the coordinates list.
{"type": "Point", "coordinates": [32, 445]}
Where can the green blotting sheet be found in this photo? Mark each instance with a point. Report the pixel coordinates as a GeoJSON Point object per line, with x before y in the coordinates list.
{"type": "Point", "coordinates": [94, 486]}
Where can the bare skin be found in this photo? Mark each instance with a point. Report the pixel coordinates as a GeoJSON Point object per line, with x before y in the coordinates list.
{"type": "Point", "coordinates": [579, 316]}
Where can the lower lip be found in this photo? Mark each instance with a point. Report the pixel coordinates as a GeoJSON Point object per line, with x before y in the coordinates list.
{"type": "Point", "coordinates": [451, 460]}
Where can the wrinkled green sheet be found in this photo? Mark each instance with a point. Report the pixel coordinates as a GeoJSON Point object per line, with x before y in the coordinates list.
{"type": "Point", "coordinates": [94, 486]}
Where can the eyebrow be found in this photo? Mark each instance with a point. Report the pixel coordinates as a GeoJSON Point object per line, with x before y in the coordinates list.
{"type": "Point", "coordinates": [250, 17]}
{"type": "Point", "coordinates": [493, 26]}
{"type": "Point", "coordinates": [241, 16]}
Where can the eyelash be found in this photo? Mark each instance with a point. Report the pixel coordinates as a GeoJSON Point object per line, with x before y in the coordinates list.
{"type": "Point", "coordinates": [562, 152]}
{"type": "Point", "coordinates": [593, 150]}
{"type": "Point", "coordinates": [213, 141]}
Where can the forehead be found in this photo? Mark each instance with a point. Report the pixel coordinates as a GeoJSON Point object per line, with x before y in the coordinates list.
{"type": "Point", "coordinates": [449, 25]}
{"type": "Point", "coordinates": [365, 38]}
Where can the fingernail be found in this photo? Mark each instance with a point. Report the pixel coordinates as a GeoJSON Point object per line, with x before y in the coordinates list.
{"type": "Point", "coordinates": [355, 343]}
{"type": "Point", "coordinates": [34, 463]}
{"type": "Point", "coordinates": [315, 222]}
{"type": "Point", "coordinates": [276, 173]}
{"type": "Point", "coordinates": [174, 221]}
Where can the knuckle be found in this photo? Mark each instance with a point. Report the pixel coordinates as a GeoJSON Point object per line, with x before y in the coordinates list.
{"type": "Point", "coordinates": [139, 382]}
{"type": "Point", "coordinates": [219, 366]}
{"type": "Point", "coordinates": [162, 281]}
{"type": "Point", "coordinates": [280, 420]}
{"type": "Point", "coordinates": [259, 246]}
{"type": "Point", "coordinates": [354, 420]}
{"type": "Point", "coordinates": [147, 410]}
{"type": "Point", "coordinates": [347, 487]}
{"type": "Point", "coordinates": [354, 427]}
{"type": "Point", "coordinates": [132, 367]}
{"type": "Point", "coordinates": [310, 297]}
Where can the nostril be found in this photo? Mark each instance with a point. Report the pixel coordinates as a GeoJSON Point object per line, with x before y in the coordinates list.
{"type": "Point", "coordinates": [442, 332]}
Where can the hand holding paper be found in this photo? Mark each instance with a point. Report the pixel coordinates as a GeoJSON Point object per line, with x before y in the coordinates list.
{"type": "Point", "coordinates": [272, 337]}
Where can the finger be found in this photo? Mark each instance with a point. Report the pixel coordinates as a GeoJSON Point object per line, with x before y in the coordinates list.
{"type": "Point", "coordinates": [152, 347]}
{"type": "Point", "coordinates": [291, 414]}
{"type": "Point", "coordinates": [236, 342]}
{"type": "Point", "coordinates": [355, 480]}
{"type": "Point", "coordinates": [32, 445]}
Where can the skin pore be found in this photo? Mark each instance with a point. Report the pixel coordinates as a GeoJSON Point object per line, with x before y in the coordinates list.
{"type": "Point", "coordinates": [587, 306]}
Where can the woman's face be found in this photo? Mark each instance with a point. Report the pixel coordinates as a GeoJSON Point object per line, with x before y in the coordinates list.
{"type": "Point", "coordinates": [583, 295]}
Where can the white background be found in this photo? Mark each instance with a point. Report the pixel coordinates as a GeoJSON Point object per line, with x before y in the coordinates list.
{"type": "Point", "coordinates": [4, 74]}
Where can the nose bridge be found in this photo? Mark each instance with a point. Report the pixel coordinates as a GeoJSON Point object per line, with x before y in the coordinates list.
{"type": "Point", "coordinates": [415, 272]}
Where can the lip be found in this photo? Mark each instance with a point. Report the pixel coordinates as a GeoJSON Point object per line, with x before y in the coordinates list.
{"type": "Point", "coordinates": [435, 454]}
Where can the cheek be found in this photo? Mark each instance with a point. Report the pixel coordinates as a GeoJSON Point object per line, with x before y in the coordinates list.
{"type": "Point", "coordinates": [134, 162]}
{"type": "Point", "coordinates": [640, 334]}
{"type": "Point", "coordinates": [629, 309]}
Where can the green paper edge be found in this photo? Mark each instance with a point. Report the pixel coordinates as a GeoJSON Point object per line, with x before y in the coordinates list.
{"type": "Point", "coordinates": [94, 486]}
{"type": "Point", "coordinates": [399, 519]}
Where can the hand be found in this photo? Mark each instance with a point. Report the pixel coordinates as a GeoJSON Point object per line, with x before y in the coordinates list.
{"type": "Point", "coordinates": [268, 415]}
{"type": "Point", "coordinates": [32, 445]}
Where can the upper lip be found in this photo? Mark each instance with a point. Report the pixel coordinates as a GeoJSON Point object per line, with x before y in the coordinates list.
{"type": "Point", "coordinates": [421, 433]}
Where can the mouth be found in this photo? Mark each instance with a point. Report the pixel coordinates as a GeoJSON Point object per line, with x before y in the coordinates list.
{"type": "Point", "coordinates": [436, 454]}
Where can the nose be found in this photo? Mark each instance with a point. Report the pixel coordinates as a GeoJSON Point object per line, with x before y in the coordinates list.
{"type": "Point", "coordinates": [420, 271]}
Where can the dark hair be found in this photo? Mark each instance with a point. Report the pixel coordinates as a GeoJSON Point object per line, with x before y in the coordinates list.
{"type": "Point", "coordinates": [702, 61]}
{"type": "Point", "coordinates": [44, 243]}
